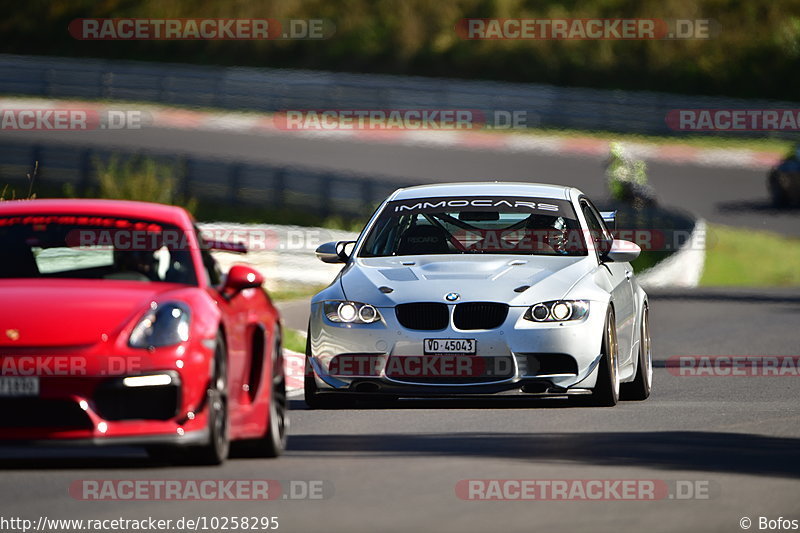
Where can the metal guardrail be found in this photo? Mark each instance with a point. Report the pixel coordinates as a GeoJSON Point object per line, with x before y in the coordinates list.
{"type": "Point", "coordinates": [230, 183]}
{"type": "Point", "coordinates": [271, 90]}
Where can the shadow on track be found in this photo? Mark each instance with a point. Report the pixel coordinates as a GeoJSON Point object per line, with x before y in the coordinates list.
{"type": "Point", "coordinates": [734, 453]}
{"type": "Point", "coordinates": [73, 458]}
{"type": "Point", "coordinates": [788, 295]}
{"type": "Point", "coordinates": [758, 206]}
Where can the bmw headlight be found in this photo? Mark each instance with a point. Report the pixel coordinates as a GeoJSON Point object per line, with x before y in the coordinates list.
{"type": "Point", "coordinates": [557, 311]}
{"type": "Point", "coordinates": [163, 324]}
{"type": "Point", "coordinates": [350, 312]}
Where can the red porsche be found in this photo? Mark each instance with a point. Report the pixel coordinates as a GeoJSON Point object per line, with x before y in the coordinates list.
{"type": "Point", "coordinates": [117, 327]}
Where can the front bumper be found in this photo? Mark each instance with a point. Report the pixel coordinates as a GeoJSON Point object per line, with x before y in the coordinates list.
{"type": "Point", "coordinates": [83, 397]}
{"type": "Point", "coordinates": [520, 357]}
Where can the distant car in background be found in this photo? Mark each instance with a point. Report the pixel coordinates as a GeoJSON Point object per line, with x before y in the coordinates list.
{"type": "Point", "coordinates": [116, 327]}
{"type": "Point", "coordinates": [477, 289]}
{"type": "Point", "coordinates": [783, 181]}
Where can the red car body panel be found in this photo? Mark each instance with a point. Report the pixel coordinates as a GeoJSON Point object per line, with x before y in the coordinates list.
{"type": "Point", "coordinates": [83, 327]}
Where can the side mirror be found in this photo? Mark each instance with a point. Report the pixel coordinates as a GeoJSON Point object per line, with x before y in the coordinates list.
{"type": "Point", "coordinates": [333, 252]}
{"type": "Point", "coordinates": [241, 277]}
{"type": "Point", "coordinates": [622, 252]}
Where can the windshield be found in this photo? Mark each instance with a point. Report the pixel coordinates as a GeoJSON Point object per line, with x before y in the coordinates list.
{"type": "Point", "coordinates": [475, 225]}
{"type": "Point", "coordinates": [94, 247]}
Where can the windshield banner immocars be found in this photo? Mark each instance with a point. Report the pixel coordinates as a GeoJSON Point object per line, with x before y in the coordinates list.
{"type": "Point", "coordinates": [510, 204]}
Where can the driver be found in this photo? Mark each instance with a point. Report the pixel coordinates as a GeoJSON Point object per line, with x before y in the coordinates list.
{"type": "Point", "coordinates": [539, 234]}
{"type": "Point", "coordinates": [532, 237]}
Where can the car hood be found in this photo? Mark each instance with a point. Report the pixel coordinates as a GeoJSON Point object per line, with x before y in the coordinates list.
{"type": "Point", "coordinates": [66, 313]}
{"type": "Point", "coordinates": [473, 277]}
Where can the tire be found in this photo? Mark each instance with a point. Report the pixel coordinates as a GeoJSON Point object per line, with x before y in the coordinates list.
{"type": "Point", "coordinates": [606, 390]}
{"type": "Point", "coordinates": [273, 443]}
{"type": "Point", "coordinates": [278, 423]}
{"type": "Point", "coordinates": [216, 450]}
{"type": "Point", "coordinates": [777, 185]}
{"type": "Point", "coordinates": [639, 389]}
{"type": "Point", "coordinates": [314, 400]}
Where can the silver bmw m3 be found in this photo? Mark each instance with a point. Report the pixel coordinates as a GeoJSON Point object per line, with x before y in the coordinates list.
{"type": "Point", "coordinates": [473, 289]}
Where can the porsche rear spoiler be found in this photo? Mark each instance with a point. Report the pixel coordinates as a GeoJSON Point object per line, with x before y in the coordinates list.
{"type": "Point", "coordinates": [222, 246]}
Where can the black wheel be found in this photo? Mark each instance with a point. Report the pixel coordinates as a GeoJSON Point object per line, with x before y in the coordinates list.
{"type": "Point", "coordinates": [274, 442]}
{"type": "Point", "coordinates": [309, 384]}
{"type": "Point", "coordinates": [313, 398]}
{"type": "Point", "coordinates": [606, 390]}
{"type": "Point", "coordinates": [639, 388]}
{"type": "Point", "coordinates": [778, 189]}
{"type": "Point", "coordinates": [216, 450]}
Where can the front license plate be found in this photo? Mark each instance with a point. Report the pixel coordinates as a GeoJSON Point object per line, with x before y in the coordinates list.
{"type": "Point", "coordinates": [17, 386]}
{"type": "Point", "coordinates": [450, 346]}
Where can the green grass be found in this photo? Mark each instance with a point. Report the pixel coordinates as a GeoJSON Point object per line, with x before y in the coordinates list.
{"type": "Point", "coordinates": [751, 52]}
{"type": "Point", "coordinates": [294, 340]}
{"type": "Point", "coordinates": [648, 259]}
{"type": "Point", "coordinates": [136, 178]}
{"type": "Point", "coordinates": [294, 292]}
{"type": "Point", "coordinates": [750, 258]}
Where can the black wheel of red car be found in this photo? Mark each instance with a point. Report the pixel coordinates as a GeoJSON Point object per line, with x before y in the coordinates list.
{"type": "Point", "coordinates": [216, 450]}
{"type": "Point", "coordinates": [218, 446]}
{"type": "Point", "coordinates": [606, 389]}
{"type": "Point", "coordinates": [274, 442]}
{"type": "Point", "coordinates": [639, 388]}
